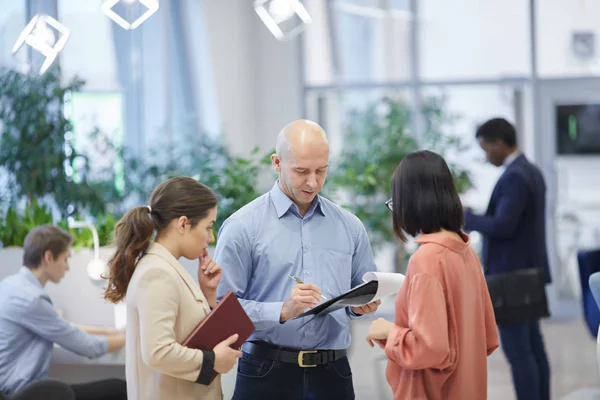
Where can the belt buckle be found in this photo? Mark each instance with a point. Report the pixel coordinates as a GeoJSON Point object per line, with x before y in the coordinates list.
{"type": "Point", "coordinates": [301, 354]}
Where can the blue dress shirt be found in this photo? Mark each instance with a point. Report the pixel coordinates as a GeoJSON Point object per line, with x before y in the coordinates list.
{"type": "Point", "coordinates": [29, 327]}
{"type": "Point", "coordinates": [268, 239]}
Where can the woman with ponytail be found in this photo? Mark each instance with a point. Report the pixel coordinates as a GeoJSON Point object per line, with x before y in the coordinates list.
{"type": "Point", "coordinates": [164, 303]}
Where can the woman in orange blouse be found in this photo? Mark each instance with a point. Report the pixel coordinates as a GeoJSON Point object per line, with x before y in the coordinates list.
{"type": "Point", "coordinates": [444, 326]}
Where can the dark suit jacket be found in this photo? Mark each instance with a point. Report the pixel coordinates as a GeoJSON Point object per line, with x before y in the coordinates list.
{"type": "Point", "coordinates": [514, 225]}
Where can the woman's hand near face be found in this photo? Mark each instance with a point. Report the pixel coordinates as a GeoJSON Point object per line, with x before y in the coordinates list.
{"type": "Point", "coordinates": [209, 276]}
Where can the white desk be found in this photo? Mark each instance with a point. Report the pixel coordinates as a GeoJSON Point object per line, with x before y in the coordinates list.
{"type": "Point", "coordinates": [72, 368]}
{"type": "Point", "coordinates": [61, 356]}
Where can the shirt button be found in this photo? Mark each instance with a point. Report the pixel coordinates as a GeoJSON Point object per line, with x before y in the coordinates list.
{"type": "Point", "coordinates": [306, 247]}
{"type": "Point", "coordinates": [307, 272]}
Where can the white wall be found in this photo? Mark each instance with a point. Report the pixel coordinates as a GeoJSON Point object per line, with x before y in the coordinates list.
{"type": "Point", "coordinates": [257, 78]}
{"type": "Point", "coordinates": [473, 39]}
{"type": "Point", "coordinates": [557, 21]}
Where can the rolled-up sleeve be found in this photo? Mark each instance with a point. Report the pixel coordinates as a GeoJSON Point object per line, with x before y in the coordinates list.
{"type": "Point", "coordinates": [363, 261]}
{"type": "Point", "coordinates": [40, 317]}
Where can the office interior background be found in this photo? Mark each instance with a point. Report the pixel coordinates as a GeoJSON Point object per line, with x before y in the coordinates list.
{"type": "Point", "coordinates": [202, 88]}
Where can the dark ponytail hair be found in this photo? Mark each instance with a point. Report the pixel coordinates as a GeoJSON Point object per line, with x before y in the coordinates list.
{"type": "Point", "coordinates": [170, 200]}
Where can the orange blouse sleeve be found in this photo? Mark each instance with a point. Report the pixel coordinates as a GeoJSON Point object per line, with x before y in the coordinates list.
{"type": "Point", "coordinates": [425, 342]}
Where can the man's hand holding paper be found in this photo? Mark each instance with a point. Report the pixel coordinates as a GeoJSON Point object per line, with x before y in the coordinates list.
{"type": "Point", "coordinates": [362, 299]}
{"type": "Point", "coordinates": [368, 308]}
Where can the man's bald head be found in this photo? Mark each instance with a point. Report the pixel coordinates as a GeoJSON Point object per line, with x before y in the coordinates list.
{"type": "Point", "coordinates": [301, 160]}
{"type": "Point", "coordinates": [300, 134]}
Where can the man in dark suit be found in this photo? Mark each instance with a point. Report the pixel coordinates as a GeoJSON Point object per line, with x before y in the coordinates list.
{"type": "Point", "coordinates": [514, 237]}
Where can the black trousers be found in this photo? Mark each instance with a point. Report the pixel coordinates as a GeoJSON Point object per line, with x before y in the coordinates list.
{"type": "Point", "coordinates": [108, 389]}
{"type": "Point", "coordinates": [44, 390]}
{"type": "Point", "coordinates": [48, 389]}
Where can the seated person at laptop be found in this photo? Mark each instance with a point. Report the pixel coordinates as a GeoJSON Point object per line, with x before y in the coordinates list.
{"type": "Point", "coordinates": [29, 324]}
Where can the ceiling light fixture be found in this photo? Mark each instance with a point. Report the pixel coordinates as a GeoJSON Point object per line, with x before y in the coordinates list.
{"type": "Point", "coordinates": [39, 34]}
{"type": "Point", "coordinates": [151, 7]}
{"type": "Point", "coordinates": [284, 18]}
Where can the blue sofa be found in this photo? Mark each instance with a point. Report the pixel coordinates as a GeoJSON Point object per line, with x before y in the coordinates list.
{"type": "Point", "coordinates": [589, 272]}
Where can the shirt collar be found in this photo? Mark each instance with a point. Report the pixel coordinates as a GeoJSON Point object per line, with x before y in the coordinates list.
{"type": "Point", "coordinates": [283, 203]}
{"type": "Point", "coordinates": [30, 277]}
{"type": "Point", "coordinates": [511, 158]}
{"type": "Point", "coordinates": [446, 241]}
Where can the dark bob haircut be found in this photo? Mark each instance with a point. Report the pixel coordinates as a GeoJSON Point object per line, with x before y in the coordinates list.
{"type": "Point", "coordinates": [424, 198]}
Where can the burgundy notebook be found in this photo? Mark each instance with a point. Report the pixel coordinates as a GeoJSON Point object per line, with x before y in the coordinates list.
{"type": "Point", "coordinates": [226, 319]}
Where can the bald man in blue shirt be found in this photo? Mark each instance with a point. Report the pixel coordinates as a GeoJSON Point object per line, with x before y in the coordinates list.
{"type": "Point", "coordinates": [292, 230]}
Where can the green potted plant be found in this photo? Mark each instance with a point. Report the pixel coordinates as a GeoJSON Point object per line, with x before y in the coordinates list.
{"type": "Point", "coordinates": [377, 139]}
{"type": "Point", "coordinates": [234, 178]}
{"type": "Point", "coordinates": [14, 226]}
{"type": "Point", "coordinates": [34, 147]}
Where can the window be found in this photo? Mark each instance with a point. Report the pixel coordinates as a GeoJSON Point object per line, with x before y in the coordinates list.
{"type": "Point", "coordinates": [12, 22]}
{"type": "Point", "coordinates": [474, 40]}
{"type": "Point", "coordinates": [470, 106]}
{"type": "Point", "coordinates": [102, 112]}
{"type": "Point", "coordinates": [356, 41]}
{"type": "Point", "coordinates": [92, 35]}
{"type": "Point", "coordinates": [334, 110]}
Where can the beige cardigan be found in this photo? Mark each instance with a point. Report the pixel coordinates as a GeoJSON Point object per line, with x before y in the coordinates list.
{"type": "Point", "coordinates": [164, 304]}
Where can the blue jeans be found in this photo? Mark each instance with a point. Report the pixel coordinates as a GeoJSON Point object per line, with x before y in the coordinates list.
{"type": "Point", "coordinates": [523, 346]}
{"type": "Point", "coordinates": [260, 379]}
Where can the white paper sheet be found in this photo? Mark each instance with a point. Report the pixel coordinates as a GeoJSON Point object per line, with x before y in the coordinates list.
{"type": "Point", "coordinates": [389, 283]}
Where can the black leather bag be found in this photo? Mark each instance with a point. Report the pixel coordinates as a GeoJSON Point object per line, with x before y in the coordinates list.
{"type": "Point", "coordinates": [519, 296]}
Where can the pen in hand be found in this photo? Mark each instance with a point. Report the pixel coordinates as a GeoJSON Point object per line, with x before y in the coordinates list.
{"type": "Point", "coordinates": [298, 280]}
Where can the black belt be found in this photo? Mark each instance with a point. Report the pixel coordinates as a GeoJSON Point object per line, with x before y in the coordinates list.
{"type": "Point", "coordinates": [302, 358]}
